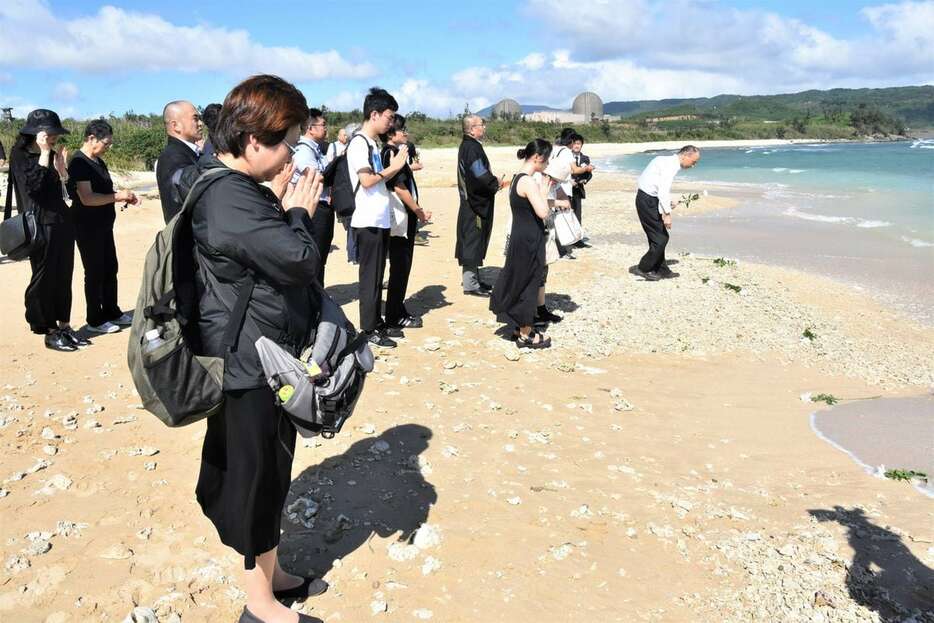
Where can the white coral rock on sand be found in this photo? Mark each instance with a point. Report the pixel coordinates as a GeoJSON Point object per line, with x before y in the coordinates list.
{"type": "Point", "coordinates": [427, 536]}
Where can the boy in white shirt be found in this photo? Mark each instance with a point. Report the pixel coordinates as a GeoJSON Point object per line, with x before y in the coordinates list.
{"type": "Point", "coordinates": [371, 219]}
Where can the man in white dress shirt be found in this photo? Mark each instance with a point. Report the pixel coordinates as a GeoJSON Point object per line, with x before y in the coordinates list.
{"type": "Point", "coordinates": [654, 205]}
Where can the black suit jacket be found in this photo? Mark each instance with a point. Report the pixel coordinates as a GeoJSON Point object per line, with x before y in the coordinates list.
{"type": "Point", "coordinates": [583, 178]}
{"type": "Point", "coordinates": [176, 156]}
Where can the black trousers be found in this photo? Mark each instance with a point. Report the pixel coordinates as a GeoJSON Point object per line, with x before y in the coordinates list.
{"type": "Point", "coordinates": [401, 252]}
{"type": "Point", "coordinates": [576, 203]}
{"type": "Point", "coordinates": [322, 230]}
{"type": "Point", "coordinates": [48, 295]}
{"type": "Point", "coordinates": [246, 470]}
{"type": "Point", "coordinates": [372, 248]}
{"type": "Point", "coordinates": [647, 208]}
{"type": "Point", "coordinates": [99, 257]}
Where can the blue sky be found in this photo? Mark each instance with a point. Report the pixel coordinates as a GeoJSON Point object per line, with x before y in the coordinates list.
{"type": "Point", "coordinates": [85, 58]}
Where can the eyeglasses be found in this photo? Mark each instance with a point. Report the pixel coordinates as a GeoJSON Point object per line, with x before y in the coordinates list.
{"type": "Point", "coordinates": [292, 148]}
{"type": "Point", "coordinates": [323, 124]}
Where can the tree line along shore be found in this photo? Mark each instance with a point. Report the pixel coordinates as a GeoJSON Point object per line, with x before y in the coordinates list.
{"type": "Point", "coordinates": [139, 138]}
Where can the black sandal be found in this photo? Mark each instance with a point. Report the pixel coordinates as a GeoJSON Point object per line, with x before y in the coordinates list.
{"type": "Point", "coordinates": [529, 341]}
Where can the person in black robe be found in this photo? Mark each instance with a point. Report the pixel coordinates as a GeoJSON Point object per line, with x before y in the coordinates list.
{"type": "Point", "coordinates": [183, 126]}
{"type": "Point", "coordinates": [477, 187]}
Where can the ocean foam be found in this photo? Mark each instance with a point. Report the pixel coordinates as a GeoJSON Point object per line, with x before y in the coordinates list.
{"type": "Point", "coordinates": [842, 220]}
{"type": "Point", "coordinates": [820, 218]}
{"type": "Point", "coordinates": [916, 242]}
{"type": "Point", "coordinates": [922, 143]}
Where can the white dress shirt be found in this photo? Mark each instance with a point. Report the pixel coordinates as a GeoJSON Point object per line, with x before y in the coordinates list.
{"type": "Point", "coordinates": [657, 178]}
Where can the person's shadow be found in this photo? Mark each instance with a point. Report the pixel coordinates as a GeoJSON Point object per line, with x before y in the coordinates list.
{"type": "Point", "coordinates": [884, 575]}
{"type": "Point", "coordinates": [337, 506]}
{"type": "Point", "coordinates": [344, 293]}
{"type": "Point", "coordinates": [428, 299]}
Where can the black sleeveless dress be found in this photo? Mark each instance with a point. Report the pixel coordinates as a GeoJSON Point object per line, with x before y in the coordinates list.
{"type": "Point", "coordinates": [515, 295]}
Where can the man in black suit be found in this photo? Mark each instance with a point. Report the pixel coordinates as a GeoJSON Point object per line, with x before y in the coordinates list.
{"type": "Point", "coordinates": [183, 126]}
{"type": "Point", "coordinates": [583, 161]}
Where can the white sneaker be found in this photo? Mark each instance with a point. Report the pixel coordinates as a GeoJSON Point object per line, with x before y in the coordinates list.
{"type": "Point", "coordinates": [124, 320]}
{"type": "Point", "coordinates": [107, 327]}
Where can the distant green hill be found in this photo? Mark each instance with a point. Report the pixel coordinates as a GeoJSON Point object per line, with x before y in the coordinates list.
{"type": "Point", "coordinates": [913, 105]}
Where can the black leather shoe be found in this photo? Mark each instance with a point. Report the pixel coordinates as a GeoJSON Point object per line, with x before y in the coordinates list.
{"type": "Point", "coordinates": [74, 338]}
{"type": "Point", "coordinates": [649, 276]}
{"type": "Point", "coordinates": [580, 244]}
{"type": "Point", "coordinates": [60, 342]}
{"type": "Point", "coordinates": [310, 587]}
{"type": "Point", "coordinates": [378, 338]}
{"type": "Point", "coordinates": [481, 293]}
{"type": "Point", "coordinates": [486, 287]}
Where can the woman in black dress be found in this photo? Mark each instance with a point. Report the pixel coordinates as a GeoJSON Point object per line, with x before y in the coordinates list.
{"type": "Point", "coordinates": [242, 232]}
{"type": "Point", "coordinates": [516, 293]}
{"type": "Point", "coordinates": [37, 171]}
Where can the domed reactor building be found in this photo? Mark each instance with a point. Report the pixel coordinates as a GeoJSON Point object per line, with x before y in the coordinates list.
{"type": "Point", "coordinates": [589, 105]}
{"type": "Point", "coordinates": [507, 109]}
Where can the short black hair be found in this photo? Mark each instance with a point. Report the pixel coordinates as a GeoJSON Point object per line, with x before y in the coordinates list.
{"type": "Point", "coordinates": [397, 125]}
{"type": "Point", "coordinates": [378, 100]}
{"type": "Point", "coordinates": [315, 113]}
{"type": "Point", "coordinates": [99, 129]}
{"type": "Point", "coordinates": [576, 137]}
{"type": "Point", "coordinates": [210, 115]}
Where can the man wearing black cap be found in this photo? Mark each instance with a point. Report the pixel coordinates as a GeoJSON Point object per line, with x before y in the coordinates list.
{"type": "Point", "coordinates": [183, 126]}
{"type": "Point", "coordinates": [36, 175]}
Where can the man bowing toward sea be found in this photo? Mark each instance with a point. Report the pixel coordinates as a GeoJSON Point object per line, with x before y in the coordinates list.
{"type": "Point", "coordinates": [654, 205]}
{"type": "Point", "coordinates": [477, 187]}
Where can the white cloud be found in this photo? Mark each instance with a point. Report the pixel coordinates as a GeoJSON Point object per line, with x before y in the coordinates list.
{"type": "Point", "coordinates": [115, 40]}
{"type": "Point", "coordinates": [65, 92]}
{"type": "Point", "coordinates": [758, 48]}
{"type": "Point", "coordinates": [533, 61]}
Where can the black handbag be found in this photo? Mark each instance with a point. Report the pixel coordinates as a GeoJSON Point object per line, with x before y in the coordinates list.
{"type": "Point", "coordinates": [19, 235]}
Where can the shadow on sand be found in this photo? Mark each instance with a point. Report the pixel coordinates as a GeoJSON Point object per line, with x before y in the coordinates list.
{"type": "Point", "coordinates": [337, 506]}
{"type": "Point", "coordinates": [884, 575]}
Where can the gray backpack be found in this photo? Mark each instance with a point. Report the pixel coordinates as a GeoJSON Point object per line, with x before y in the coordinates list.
{"type": "Point", "coordinates": [320, 389]}
{"type": "Point", "coordinates": [174, 382]}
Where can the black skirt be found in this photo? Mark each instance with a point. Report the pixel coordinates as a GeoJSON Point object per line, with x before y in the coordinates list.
{"type": "Point", "coordinates": [246, 470]}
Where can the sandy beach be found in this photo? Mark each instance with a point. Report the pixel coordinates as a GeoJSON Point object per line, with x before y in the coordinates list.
{"type": "Point", "coordinates": [656, 464]}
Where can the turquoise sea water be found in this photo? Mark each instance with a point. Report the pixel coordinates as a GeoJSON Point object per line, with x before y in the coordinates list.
{"type": "Point", "coordinates": [886, 186]}
{"type": "Point", "coordinates": [860, 212]}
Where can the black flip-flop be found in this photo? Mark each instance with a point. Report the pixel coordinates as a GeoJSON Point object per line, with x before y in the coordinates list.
{"type": "Point", "coordinates": [310, 587]}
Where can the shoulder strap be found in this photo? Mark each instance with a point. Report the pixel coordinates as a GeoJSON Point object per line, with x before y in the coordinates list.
{"type": "Point", "coordinates": [11, 184]}
{"type": "Point", "coordinates": [238, 313]}
{"type": "Point", "coordinates": [369, 154]}
{"type": "Point", "coordinates": [201, 184]}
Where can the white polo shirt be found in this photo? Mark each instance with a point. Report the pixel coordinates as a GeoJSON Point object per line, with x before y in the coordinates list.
{"type": "Point", "coordinates": [372, 207]}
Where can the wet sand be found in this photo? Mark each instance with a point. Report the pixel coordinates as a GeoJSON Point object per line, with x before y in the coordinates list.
{"type": "Point", "coordinates": [883, 434]}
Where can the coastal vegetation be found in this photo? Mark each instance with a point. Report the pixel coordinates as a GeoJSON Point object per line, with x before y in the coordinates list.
{"type": "Point", "coordinates": [838, 114]}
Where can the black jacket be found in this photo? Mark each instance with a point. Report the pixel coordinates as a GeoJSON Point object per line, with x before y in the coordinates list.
{"type": "Point", "coordinates": [239, 225]}
{"type": "Point", "coordinates": [176, 155]}
{"type": "Point", "coordinates": [477, 188]}
{"type": "Point", "coordinates": [38, 189]}
{"type": "Point", "coordinates": [583, 178]}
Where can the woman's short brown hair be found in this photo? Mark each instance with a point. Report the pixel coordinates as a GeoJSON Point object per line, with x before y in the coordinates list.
{"type": "Point", "coordinates": [265, 106]}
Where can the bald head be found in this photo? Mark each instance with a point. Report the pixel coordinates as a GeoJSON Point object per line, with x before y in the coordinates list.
{"type": "Point", "coordinates": [182, 120]}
